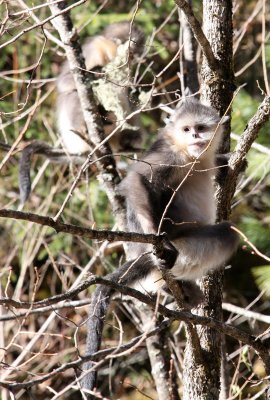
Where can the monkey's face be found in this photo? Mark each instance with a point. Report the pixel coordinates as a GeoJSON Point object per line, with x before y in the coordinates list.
{"type": "Point", "coordinates": [198, 139]}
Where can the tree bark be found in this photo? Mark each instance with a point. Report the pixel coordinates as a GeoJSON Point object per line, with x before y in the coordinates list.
{"type": "Point", "coordinates": [204, 383]}
{"type": "Point", "coordinates": [218, 90]}
{"type": "Point", "coordinates": [189, 54]}
{"type": "Point", "coordinates": [159, 356]}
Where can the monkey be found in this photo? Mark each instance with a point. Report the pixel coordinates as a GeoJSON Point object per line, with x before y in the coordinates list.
{"type": "Point", "coordinates": [98, 52]}
{"type": "Point", "coordinates": [170, 190]}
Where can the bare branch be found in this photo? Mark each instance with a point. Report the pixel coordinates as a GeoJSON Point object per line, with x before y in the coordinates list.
{"type": "Point", "coordinates": [156, 240]}
{"type": "Point", "coordinates": [189, 54]}
{"type": "Point", "coordinates": [246, 313]}
{"type": "Point", "coordinates": [40, 24]}
{"type": "Point", "coordinates": [103, 355]}
{"type": "Point", "coordinates": [41, 310]}
{"type": "Point", "coordinates": [255, 343]}
{"type": "Point", "coordinates": [237, 159]}
{"type": "Point", "coordinates": [157, 347]}
{"type": "Point", "coordinates": [199, 35]}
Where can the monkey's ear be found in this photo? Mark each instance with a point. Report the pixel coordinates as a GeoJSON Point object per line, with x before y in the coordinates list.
{"type": "Point", "coordinates": [224, 119]}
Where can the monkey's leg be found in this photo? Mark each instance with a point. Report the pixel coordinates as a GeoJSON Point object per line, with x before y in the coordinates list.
{"type": "Point", "coordinates": [204, 248]}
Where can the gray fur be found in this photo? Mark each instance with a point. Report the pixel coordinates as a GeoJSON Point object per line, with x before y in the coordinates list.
{"type": "Point", "coordinates": [198, 244]}
{"type": "Point", "coordinates": [98, 51]}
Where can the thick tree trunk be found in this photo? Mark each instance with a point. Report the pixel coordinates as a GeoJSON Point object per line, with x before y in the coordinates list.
{"type": "Point", "coordinates": [217, 89]}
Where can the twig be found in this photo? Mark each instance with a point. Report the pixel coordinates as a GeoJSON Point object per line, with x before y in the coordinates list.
{"type": "Point", "coordinates": [246, 313]}
{"type": "Point", "coordinates": [41, 23]}
{"type": "Point", "coordinates": [43, 310]}
{"type": "Point", "coordinates": [104, 355]}
{"type": "Point", "coordinates": [254, 248]}
{"type": "Point", "coordinates": [23, 131]}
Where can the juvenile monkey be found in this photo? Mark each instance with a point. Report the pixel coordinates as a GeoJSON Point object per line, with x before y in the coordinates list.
{"type": "Point", "coordinates": [98, 51]}
{"type": "Point", "coordinates": [171, 191]}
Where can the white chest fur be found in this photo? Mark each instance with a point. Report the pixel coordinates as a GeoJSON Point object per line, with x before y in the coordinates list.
{"type": "Point", "coordinates": [197, 200]}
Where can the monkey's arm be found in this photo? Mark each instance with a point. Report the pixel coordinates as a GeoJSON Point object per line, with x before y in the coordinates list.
{"type": "Point", "coordinates": [143, 200]}
{"type": "Point", "coordinates": [140, 197]}
{"type": "Point", "coordinates": [222, 161]}
{"type": "Point", "coordinates": [143, 189]}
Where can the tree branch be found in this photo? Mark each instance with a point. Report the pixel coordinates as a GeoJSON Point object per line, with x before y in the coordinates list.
{"type": "Point", "coordinates": [255, 343]}
{"type": "Point", "coordinates": [237, 160]}
{"type": "Point", "coordinates": [189, 54]}
{"type": "Point", "coordinates": [158, 351]}
{"type": "Point", "coordinates": [103, 355]}
{"type": "Point", "coordinates": [157, 240]}
{"type": "Point", "coordinates": [199, 35]}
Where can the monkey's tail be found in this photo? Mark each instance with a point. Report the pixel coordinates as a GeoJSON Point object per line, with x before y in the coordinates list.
{"type": "Point", "coordinates": [97, 313]}
{"type": "Point", "coordinates": [98, 310]}
{"type": "Point", "coordinates": [38, 147]}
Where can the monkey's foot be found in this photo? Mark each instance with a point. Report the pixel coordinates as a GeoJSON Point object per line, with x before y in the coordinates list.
{"type": "Point", "coordinates": [167, 256]}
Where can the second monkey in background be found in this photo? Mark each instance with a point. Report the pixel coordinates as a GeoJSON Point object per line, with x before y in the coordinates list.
{"type": "Point", "coordinates": [98, 52]}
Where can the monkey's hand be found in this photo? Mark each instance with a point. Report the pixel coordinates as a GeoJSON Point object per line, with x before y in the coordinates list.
{"type": "Point", "coordinates": [167, 255]}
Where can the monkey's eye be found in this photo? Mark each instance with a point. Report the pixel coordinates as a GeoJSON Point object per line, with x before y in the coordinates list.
{"type": "Point", "coordinates": [186, 129]}
{"type": "Point", "coordinates": [200, 128]}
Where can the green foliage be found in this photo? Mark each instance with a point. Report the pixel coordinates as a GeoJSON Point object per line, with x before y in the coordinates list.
{"type": "Point", "coordinates": [61, 243]}
{"type": "Point", "coordinates": [267, 54]}
{"type": "Point", "coordinates": [101, 208]}
{"type": "Point", "coordinates": [257, 203]}
{"type": "Point", "coordinates": [262, 277]}
{"type": "Point", "coordinates": [244, 107]}
{"type": "Point", "coordinates": [258, 166]}
{"type": "Point", "coordinates": [257, 232]}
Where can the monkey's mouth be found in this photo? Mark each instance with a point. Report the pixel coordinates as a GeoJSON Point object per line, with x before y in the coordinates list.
{"type": "Point", "coordinates": [199, 143]}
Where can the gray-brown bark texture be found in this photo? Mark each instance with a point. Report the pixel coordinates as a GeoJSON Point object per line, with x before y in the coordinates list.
{"type": "Point", "coordinates": [163, 373]}
{"type": "Point", "coordinates": [189, 54]}
{"type": "Point", "coordinates": [203, 381]}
